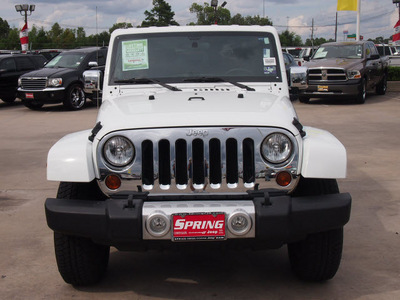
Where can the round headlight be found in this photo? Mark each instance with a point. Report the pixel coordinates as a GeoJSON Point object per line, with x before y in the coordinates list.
{"type": "Point", "coordinates": [276, 148]}
{"type": "Point", "coordinates": [118, 151]}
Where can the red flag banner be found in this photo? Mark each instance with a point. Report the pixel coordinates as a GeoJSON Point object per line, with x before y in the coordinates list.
{"type": "Point", "coordinates": [23, 36]}
{"type": "Point", "coordinates": [396, 35]}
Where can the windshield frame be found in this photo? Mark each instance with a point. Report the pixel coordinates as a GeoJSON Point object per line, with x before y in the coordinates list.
{"type": "Point", "coordinates": [193, 36]}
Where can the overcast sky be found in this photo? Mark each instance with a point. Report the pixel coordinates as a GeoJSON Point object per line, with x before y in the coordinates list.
{"type": "Point", "coordinates": [377, 16]}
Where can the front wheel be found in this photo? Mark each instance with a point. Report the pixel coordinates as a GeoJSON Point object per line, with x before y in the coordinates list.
{"type": "Point", "coordinates": [75, 97]}
{"type": "Point", "coordinates": [80, 261]}
{"type": "Point", "coordinates": [318, 256]}
{"type": "Point", "coordinates": [382, 85]}
{"type": "Point", "coordinates": [304, 99]}
{"type": "Point", "coordinates": [362, 94]}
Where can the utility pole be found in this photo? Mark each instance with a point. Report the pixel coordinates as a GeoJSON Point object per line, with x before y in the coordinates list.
{"type": "Point", "coordinates": [287, 25]}
{"type": "Point", "coordinates": [336, 29]}
{"type": "Point", "coordinates": [312, 35]}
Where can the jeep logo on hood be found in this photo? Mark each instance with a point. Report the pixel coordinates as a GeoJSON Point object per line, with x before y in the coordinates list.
{"type": "Point", "coordinates": [195, 132]}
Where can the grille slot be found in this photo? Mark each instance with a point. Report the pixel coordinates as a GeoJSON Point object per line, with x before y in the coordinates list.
{"type": "Point", "coordinates": [33, 83]}
{"type": "Point", "coordinates": [327, 75]}
{"type": "Point", "coordinates": [147, 163]}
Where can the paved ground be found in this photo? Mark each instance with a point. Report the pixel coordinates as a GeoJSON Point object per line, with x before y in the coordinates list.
{"type": "Point", "coordinates": [371, 260]}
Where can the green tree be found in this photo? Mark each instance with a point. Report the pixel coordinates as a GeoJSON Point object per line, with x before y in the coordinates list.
{"type": "Point", "coordinates": [290, 39]}
{"type": "Point", "coordinates": [160, 15]}
{"type": "Point", "coordinates": [120, 25]}
{"type": "Point", "coordinates": [4, 29]}
{"type": "Point", "coordinates": [207, 15]}
{"type": "Point", "coordinates": [55, 35]}
{"type": "Point", "coordinates": [80, 37]}
{"type": "Point", "coordinates": [249, 20]}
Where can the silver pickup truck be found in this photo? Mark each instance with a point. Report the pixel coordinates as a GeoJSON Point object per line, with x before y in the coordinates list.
{"type": "Point", "coordinates": [345, 69]}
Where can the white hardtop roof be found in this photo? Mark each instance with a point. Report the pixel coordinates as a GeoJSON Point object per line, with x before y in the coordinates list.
{"type": "Point", "coordinates": [204, 28]}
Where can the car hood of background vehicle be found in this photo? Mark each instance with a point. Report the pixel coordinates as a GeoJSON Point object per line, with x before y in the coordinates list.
{"type": "Point", "coordinates": [196, 109]}
{"type": "Point", "coordinates": [50, 72]}
{"type": "Point", "coordinates": [333, 63]}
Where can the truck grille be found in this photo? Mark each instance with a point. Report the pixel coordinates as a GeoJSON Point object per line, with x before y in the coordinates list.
{"type": "Point", "coordinates": [197, 159]}
{"type": "Point", "coordinates": [30, 83]}
{"type": "Point", "coordinates": [320, 74]}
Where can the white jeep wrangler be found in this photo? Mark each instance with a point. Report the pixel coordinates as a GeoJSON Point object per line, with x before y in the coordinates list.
{"type": "Point", "coordinates": [196, 142]}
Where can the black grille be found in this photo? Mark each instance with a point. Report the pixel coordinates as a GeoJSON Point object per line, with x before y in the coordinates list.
{"type": "Point", "coordinates": [327, 75]}
{"type": "Point", "coordinates": [195, 161]}
{"type": "Point", "coordinates": [33, 83]}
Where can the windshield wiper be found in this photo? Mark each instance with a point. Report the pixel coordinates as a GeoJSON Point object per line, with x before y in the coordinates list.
{"type": "Point", "coordinates": [218, 79]}
{"type": "Point", "coordinates": [148, 80]}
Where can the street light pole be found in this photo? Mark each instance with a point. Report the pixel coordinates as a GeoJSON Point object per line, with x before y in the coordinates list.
{"type": "Point", "coordinates": [214, 3]}
{"type": "Point", "coordinates": [23, 10]}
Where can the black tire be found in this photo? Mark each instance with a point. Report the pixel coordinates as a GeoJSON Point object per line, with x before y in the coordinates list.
{"type": "Point", "coordinates": [8, 99]}
{"type": "Point", "coordinates": [75, 97]}
{"type": "Point", "coordinates": [317, 257]}
{"type": "Point", "coordinates": [362, 94]}
{"type": "Point", "coordinates": [80, 261]}
{"type": "Point", "coordinates": [32, 105]}
{"type": "Point", "coordinates": [382, 85]}
{"type": "Point", "coordinates": [304, 99]}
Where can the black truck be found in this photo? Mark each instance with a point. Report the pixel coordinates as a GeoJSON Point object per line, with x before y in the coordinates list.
{"type": "Point", "coordinates": [61, 80]}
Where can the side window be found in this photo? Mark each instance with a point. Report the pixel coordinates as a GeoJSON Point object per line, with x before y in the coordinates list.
{"type": "Point", "coordinates": [24, 64]}
{"type": "Point", "coordinates": [286, 59]}
{"type": "Point", "coordinates": [8, 64]}
{"type": "Point", "coordinates": [39, 60]}
{"type": "Point", "coordinates": [102, 58]}
{"type": "Point", "coordinates": [373, 49]}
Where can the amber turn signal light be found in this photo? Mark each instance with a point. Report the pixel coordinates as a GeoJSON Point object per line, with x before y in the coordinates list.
{"type": "Point", "coordinates": [113, 182]}
{"type": "Point", "coordinates": [283, 178]}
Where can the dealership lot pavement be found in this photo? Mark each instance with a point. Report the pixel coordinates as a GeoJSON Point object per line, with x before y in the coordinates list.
{"type": "Point", "coordinates": [370, 266]}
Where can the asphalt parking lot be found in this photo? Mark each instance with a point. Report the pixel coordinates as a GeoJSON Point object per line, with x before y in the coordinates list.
{"type": "Point", "coordinates": [370, 266]}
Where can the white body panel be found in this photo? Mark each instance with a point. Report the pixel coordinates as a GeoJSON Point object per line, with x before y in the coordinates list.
{"type": "Point", "coordinates": [70, 159]}
{"type": "Point", "coordinates": [324, 156]}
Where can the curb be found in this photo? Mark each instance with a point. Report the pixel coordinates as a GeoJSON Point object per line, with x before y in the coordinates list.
{"type": "Point", "coordinates": [393, 86]}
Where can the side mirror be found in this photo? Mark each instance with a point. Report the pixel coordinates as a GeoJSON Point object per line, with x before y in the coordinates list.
{"type": "Point", "coordinates": [298, 78]}
{"type": "Point", "coordinates": [306, 58]}
{"type": "Point", "coordinates": [93, 64]}
{"type": "Point", "coordinates": [92, 80]}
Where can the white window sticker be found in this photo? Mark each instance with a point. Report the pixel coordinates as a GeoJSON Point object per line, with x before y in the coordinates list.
{"type": "Point", "coordinates": [135, 55]}
{"type": "Point", "coordinates": [269, 61]}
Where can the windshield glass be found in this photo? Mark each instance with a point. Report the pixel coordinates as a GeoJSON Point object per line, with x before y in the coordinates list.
{"type": "Point", "coordinates": [339, 51]}
{"type": "Point", "coordinates": [181, 57]}
{"type": "Point", "coordinates": [66, 60]}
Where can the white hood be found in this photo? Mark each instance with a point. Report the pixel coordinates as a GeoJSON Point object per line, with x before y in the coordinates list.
{"type": "Point", "coordinates": [196, 109]}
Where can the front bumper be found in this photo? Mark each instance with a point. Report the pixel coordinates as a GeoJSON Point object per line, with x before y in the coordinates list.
{"type": "Point", "coordinates": [350, 88]}
{"type": "Point", "coordinates": [46, 96]}
{"type": "Point", "coordinates": [119, 221]}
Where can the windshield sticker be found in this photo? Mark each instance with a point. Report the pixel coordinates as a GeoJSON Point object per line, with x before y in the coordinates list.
{"type": "Point", "coordinates": [269, 61]}
{"type": "Point", "coordinates": [135, 55]}
{"type": "Point", "coordinates": [270, 70]}
{"type": "Point", "coordinates": [267, 53]}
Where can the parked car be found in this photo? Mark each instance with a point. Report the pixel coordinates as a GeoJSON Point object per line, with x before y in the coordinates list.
{"type": "Point", "coordinates": [304, 55]}
{"type": "Point", "coordinates": [12, 66]}
{"type": "Point", "coordinates": [294, 51]}
{"type": "Point", "coordinates": [386, 50]}
{"type": "Point", "coordinates": [289, 63]}
{"type": "Point", "coordinates": [345, 70]}
{"type": "Point", "coordinates": [61, 80]}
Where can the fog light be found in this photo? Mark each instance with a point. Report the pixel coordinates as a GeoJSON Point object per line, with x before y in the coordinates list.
{"type": "Point", "coordinates": [113, 182]}
{"type": "Point", "coordinates": [158, 224]}
{"type": "Point", "coordinates": [239, 223]}
{"type": "Point", "coordinates": [283, 178]}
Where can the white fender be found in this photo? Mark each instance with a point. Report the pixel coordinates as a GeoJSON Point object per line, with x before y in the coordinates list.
{"type": "Point", "coordinates": [324, 156]}
{"type": "Point", "coordinates": [70, 159]}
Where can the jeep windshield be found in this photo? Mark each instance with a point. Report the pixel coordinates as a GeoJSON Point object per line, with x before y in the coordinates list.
{"type": "Point", "coordinates": [195, 57]}
{"type": "Point", "coordinates": [339, 51]}
{"type": "Point", "coordinates": [66, 60]}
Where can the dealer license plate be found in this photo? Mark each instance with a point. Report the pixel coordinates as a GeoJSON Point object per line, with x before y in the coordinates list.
{"type": "Point", "coordinates": [29, 95]}
{"type": "Point", "coordinates": [323, 88]}
{"type": "Point", "coordinates": [198, 226]}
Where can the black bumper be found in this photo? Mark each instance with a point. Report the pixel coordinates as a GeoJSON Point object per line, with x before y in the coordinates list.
{"type": "Point", "coordinates": [348, 89]}
{"type": "Point", "coordinates": [43, 97]}
{"type": "Point", "coordinates": [118, 222]}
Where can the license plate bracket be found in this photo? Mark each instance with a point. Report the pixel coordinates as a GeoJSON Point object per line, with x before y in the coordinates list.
{"type": "Point", "coordinates": [198, 226]}
{"type": "Point", "coordinates": [323, 88]}
{"type": "Point", "coordinates": [29, 96]}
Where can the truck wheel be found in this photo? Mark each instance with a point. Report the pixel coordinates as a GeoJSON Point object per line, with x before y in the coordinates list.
{"type": "Point", "coordinates": [362, 94]}
{"type": "Point", "coordinates": [317, 257]}
{"type": "Point", "coordinates": [382, 85]}
{"type": "Point", "coordinates": [303, 99]}
{"type": "Point", "coordinates": [75, 97]}
{"type": "Point", "coordinates": [8, 99]}
{"type": "Point", "coordinates": [80, 261]}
